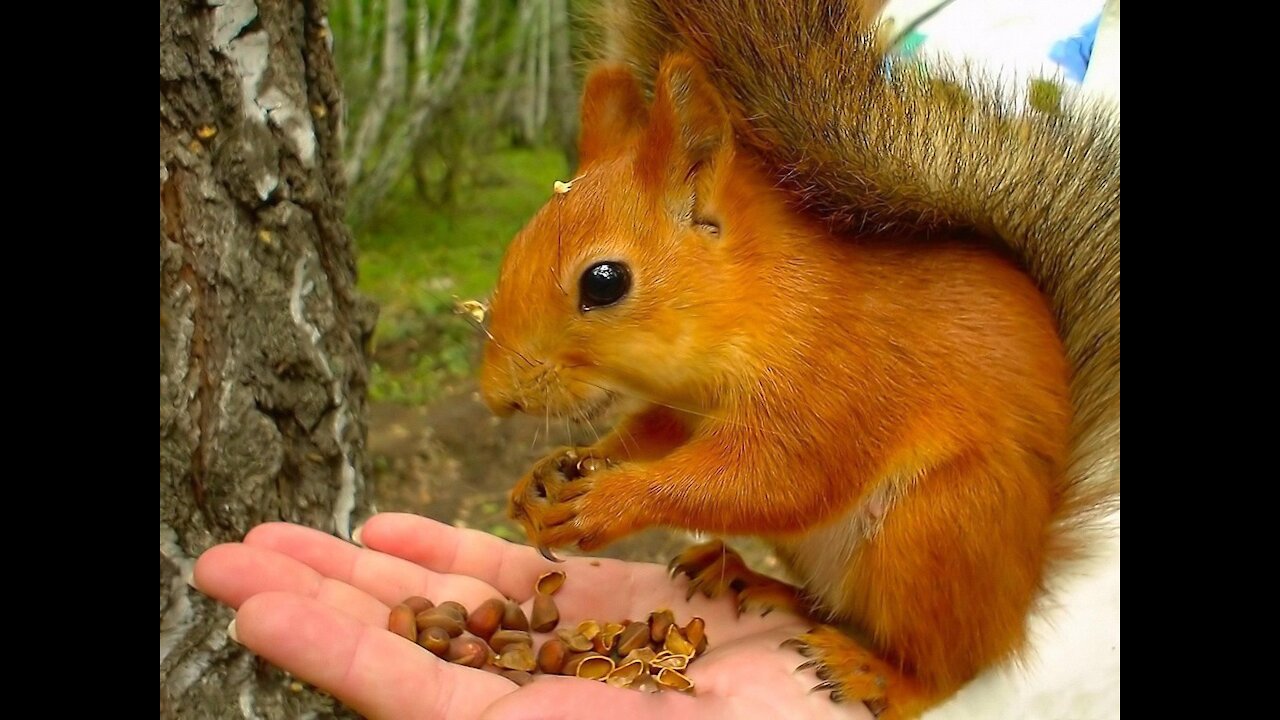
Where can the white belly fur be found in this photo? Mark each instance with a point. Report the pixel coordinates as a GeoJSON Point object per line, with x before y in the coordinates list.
{"type": "Point", "coordinates": [822, 556]}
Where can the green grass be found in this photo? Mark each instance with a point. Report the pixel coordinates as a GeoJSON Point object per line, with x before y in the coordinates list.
{"type": "Point", "coordinates": [415, 258]}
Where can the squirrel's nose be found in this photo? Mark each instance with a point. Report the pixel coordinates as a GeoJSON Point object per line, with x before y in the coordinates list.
{"type": "Point", "coordinates": [502, 407]}
{"type": "Point", "coordinates": [500, 388]}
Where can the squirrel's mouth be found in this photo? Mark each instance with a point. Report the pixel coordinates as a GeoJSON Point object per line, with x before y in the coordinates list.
{"type": "Point", "coordinates": [592, 408]}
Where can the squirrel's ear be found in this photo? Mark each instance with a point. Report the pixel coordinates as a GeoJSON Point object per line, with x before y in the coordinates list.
{"type": "Point", "coordinates": [612, 110]}
{"type": "Point", "coordinates": [688, 129]}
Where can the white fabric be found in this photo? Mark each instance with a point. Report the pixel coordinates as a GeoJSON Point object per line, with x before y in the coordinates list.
{"type": "Point", "coordinates": [1073, 671]}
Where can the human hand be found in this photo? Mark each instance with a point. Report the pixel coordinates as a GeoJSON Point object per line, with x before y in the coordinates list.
{"type": "Point", "coordinates": [317, 607]}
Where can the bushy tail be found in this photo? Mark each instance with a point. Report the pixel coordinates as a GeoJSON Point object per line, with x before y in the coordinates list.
{"type": "Point", "coordinates": [808, 89]}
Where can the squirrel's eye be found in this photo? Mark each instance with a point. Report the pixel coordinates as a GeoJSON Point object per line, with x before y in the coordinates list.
{"type": "Point", "coordinates": [604, 283]}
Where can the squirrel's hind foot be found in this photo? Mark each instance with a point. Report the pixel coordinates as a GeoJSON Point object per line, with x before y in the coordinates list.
{"type": "Point", "coordinates": [854, 674]}
{"type": "Point", "coordinates": [714, 568]}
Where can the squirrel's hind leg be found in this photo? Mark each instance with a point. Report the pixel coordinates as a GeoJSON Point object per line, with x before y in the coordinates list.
{"type": "Point", "coordinates": [854, 674]}
{"type": "Point", "coordinates": [714, 568]}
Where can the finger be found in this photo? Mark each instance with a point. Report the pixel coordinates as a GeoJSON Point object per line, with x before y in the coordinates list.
{"type": "Point", "coordinates": [376, 673]}
{"type": "Point", "coordinates": [596, 588]}
{"type": "Point", "coordinates": [233, 573]}
{"type": "Point", "coordinates": [388, 578]}
{"type": "Point", "coordinates": [509, 567]}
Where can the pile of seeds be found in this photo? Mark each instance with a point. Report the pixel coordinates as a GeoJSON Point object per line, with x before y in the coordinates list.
{"type": "Point", "coordinates": [648, 655]}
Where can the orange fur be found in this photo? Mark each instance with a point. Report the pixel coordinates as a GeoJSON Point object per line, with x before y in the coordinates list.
{"type": "Point", "coordinates": [908, 399]}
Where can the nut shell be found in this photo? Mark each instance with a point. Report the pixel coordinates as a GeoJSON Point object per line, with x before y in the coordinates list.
{"type": "Point", "coordinates": [401, 622]}
{"type": "Point", "coordinates": [674, 679]}
{"type": "Point", "coordinates": [436, 640]}
{"type": "Point", "coordinates": [519, 677]}
{"type": "Point", "coordinates": [552, 656]}
{"type": "Point", "coordinates": [469, 651]}
{"type": "Point", "coordinates": [545, 615]}
{"type": "Point", "coordinates": [670, 660]}
{"type": "Point", "coordinates": [645, 655]}
{"type": "Point", "coordinates": [454, 608]}
{"type": "Point", "coordinates": [418, 603]}
{"type": "Point", "coordinates": [549, 583]}
{"type": "Point", "coordinates": [589, 666]}
{"type": "Point", "coordinates": [503, 638]}
{"type": "Point", "coordinates": [659, 623]}
{"type": "Point", "coordinates": [443, 620]}
{"type": "Point", "coordinates": [608, 637]}
{"type": "Point", "coordinates": [589, 465]}
{"type": "Point", "coordinates": [589, 629]}
{"type": "Point", "coordinates": [513, 617]}
{"type": "Point", "coordinates": [633, 637]}
{"type": "Point", "coordinates": [517, 656]}
{"type": "Point", "coordinates": [677, 644]}
{"type": "Point", "coordinates": [626, 674]}
{"type": "Point", "coordinates": [574, 640]}
{"type": "Point", "coordinates": [485, 620]}
{"type": "Point", "coordinates": [696, 633]}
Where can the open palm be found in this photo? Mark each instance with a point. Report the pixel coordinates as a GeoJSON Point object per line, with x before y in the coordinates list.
{"type": "Point", "coordinates": [317, 606]}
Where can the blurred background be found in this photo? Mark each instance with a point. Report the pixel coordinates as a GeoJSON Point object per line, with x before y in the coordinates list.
{"type": "Point", "coordinates": [460, 115]}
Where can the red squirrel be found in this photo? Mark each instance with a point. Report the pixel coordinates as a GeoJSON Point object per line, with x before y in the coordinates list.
{"type": "Point", "coordinates": [893, 416]}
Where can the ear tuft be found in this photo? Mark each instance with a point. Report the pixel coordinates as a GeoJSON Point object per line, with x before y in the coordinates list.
{"type": "Point", "coordinates": [689, 111]}
{"type": "Point", "coordinates": [688, 133]}
{"type": "Point", "coordinates": [613, 110]}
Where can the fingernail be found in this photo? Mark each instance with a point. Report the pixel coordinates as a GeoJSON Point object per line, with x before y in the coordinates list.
{"type": "Point", "coordinates": [191, 579]}
{"type": "Point", "coordinates": [231, 632]}
{"type": "Point", "coordinates": [355, 535]}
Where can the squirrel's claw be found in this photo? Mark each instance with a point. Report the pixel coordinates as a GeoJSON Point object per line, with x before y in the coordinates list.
{"type": "Point", "coordinates": [794, 643]}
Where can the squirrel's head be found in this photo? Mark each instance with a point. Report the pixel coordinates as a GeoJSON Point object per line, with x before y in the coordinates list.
{"type": "Point", "coordinates": [616, 286]}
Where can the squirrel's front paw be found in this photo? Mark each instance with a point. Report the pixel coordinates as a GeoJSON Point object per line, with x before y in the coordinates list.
{"type": "Point", "coordinates": [556, 502]}
{"type": "Point", "coordinates": [553, 478]}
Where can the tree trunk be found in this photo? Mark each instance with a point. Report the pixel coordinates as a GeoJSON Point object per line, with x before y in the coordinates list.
{"type": "Point", "coordinates": [512, 91]}
{"type": "Point", "coordinates": [390, 87]}
{"type": "Point", "coordinates": [564, 91]}
{"type": "Point", "coordinates": [528, 97]}
{"type": "Point", "coordinates": [430, 91]}
{"type": "Point", "coordinates": [262, 333]}
{"type": "Point", "coordinates": [542, 93]}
